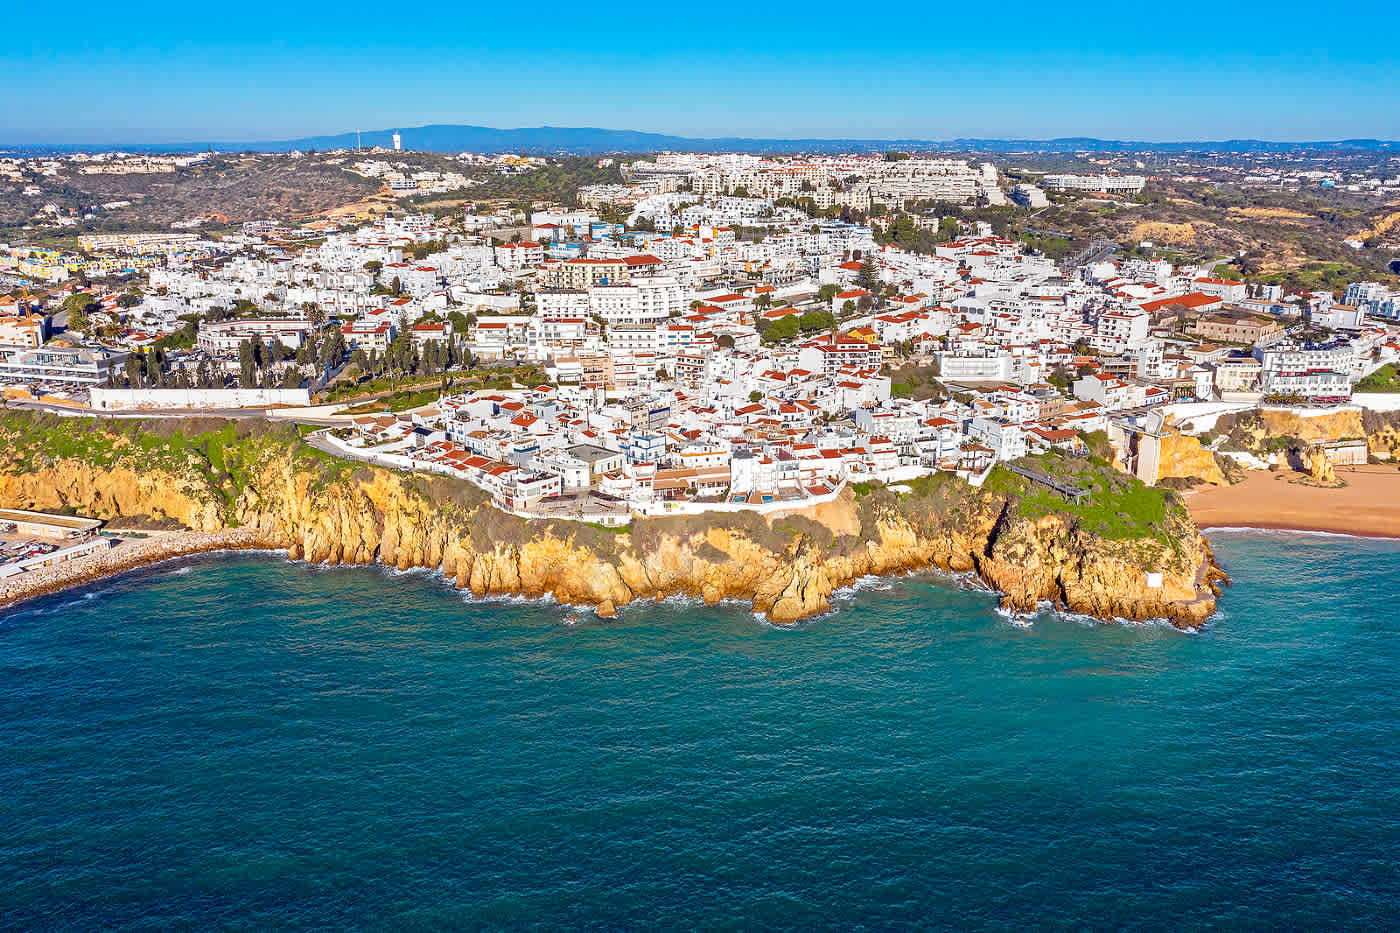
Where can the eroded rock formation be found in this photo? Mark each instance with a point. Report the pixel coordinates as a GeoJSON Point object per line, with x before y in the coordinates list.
{"type": "Point", "coordinates": [787, 566]}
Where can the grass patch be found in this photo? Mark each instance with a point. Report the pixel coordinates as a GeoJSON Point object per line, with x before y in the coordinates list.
{"type": "Point", "coordinates": [1385, 379]}
{"type": "Point", "coordinates": [399, 401]}
{"type": "Point", "coordinates": [1118, 506]}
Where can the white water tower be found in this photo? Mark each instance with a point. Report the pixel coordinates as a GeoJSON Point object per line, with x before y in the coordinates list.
{"type": "Point", "coordinates": [398, 143]}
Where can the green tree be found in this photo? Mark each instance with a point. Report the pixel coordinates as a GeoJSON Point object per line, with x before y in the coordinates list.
{"type": "Point", "coordinates": [784, 328]}
{"type": "Point", "coordinates": [314, 313]}
{"type": "Point", "coordinates": [755, 396]}
{"type": "Point", "coordinates": [247, 365]}
{"type": "Point", "coordinates": [332, 350]}
{"type": "Point", "coordinates": [868, 277]}
{"type": "Point", "coordinates": [461, 323]}
{"type": "Point", "coordinates": [79, 308]}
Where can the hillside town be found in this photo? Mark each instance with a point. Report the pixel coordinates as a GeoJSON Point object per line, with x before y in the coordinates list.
{"type": "Point", "coordinates": [713, 332]}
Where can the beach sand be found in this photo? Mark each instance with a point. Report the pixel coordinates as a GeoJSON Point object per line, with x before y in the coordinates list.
{"type": "Point", "coordinates": [1368, 505]}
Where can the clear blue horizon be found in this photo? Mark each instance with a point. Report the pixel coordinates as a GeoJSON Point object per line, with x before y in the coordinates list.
{"type": "Point", "coordinates": [265, 72]}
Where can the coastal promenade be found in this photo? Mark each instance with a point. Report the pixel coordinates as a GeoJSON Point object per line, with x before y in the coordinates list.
{"type": "Point", "coordinates": [1368, 505]}
{"type": "Point", "coordinates": [128, 555]}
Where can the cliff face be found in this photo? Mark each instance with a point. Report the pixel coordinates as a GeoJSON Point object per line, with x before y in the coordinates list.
{"type": "Point", "coordinates": [111, 492]}
{"type": "Point", "coordinates": [1325, 427]}
{"type": "Point", "coordinates": [788, 566]}
{"type": "Point", "coordinates": [1184, 457]}
{"type": "Point", "coordinates": [1253, 430]}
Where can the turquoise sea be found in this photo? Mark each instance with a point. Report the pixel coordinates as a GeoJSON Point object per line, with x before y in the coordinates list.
{"type": "Point", "coordinates": [241, 741]}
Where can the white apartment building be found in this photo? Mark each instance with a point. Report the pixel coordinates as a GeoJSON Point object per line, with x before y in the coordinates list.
{"type": "Point", "coordinates": [1103, 184]}
{"type": "Point", "coordinates": [1029, 196]}
{"type": "Point", "coordinates": [1307, 370]}
{"type": "Point", "coordinates": [976, 367]}
{"type": "Point", "coordinates": [642, 301]}
{"type": "Point", "coordinates": [368, 335]}
{"type": "Point", "coordinates": [1226, 290]}
{"type": "Point", "coordinates": [562, 302]}
{"type": "Point", "coordinates": [1119, 331]}
{"type": "Point", "coordinates": [1006, 438]}
{"type": "Point", "coordinates": [1109, 391]}
{"type": "Point", "coordinates": [1373, 298]}
{"type": "Point", "coordinates": [516, 256]}
{"type": "Point", "coordinates": [633, 339]}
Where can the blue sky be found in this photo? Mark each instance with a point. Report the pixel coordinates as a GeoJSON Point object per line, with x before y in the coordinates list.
{"type": "Point", "coordinates": [142, 71]}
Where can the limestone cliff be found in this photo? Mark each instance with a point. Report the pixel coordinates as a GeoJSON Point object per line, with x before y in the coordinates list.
{"type": "Point", "coordinates": [1184, 457]}
{"type": "Point", "coordinates": [788, 567]}
{"type": "Point", "coordinates": [1269, 429]}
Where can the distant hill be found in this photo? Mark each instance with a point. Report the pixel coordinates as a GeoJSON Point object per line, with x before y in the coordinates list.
{"type": "Point", "coordinates": [552, 140]}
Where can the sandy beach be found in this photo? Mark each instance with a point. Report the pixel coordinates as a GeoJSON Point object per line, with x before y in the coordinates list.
{"type": "Point", "coordinates": [1368, 505]}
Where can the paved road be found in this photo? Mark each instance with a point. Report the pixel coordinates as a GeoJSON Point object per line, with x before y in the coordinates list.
{"type": "Point", "coordinates": [325, 446]}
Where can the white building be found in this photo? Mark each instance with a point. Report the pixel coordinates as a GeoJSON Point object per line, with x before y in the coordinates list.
{"type": "Point", "coordinates": [1103, 184]}
{"type": "Point", "coordinates": [642, 301]}
{"type": "Point", "coordinates": [1308, 370]}
{"type": "Point", "coordinates": [224, 337]}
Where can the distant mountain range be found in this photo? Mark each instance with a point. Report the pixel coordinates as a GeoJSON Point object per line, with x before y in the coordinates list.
{"type": "Point", "coordinates": [553, 140]}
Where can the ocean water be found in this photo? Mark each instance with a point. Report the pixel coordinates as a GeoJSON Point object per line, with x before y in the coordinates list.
{"type": "Point", "coordinates": [241, 741]}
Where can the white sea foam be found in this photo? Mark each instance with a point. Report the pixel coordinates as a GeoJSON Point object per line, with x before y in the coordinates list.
{"type": "Point", "coordinates": [510, 599]}
{"type": "Point", "coordinates": [1048, 611]}
{"type": "Point", "coordinates": [864, 584]}
{"type": "Point", "coordinates": [969, 580]}
{"type": "Point", "coordinates": [1249, 529]}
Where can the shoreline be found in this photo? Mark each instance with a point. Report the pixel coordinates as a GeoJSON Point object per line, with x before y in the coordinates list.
{"type": "Point", "coordinates": [1367, 506]}
{"type": "Point", "coordinates": [134, 556]}
{"type": "Point", "coordinates": [1289, 530]}
{"type": "Point", "coordinates": [124, 558]}
{"type": "Point", "coordinates": [238, 542]}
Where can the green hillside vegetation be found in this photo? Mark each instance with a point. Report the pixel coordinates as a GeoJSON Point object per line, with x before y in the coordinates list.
{"type": "Point", "coordinates": [1385, 379]}
{"type": "Point", "coordinates": [1118, 506]}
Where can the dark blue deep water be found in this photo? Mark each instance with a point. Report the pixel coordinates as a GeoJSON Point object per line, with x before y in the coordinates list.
{"type": "Point", "coordinates": [240, 741]}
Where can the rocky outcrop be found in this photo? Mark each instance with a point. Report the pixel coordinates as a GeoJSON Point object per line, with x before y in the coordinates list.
{"type": "Point", "coordinates": [787, 567]}
{"type": "Point", "coordinates": [1382, 432]}
{"type": "Point", "coordinates": [1321, 472]}
{"type": "Point", "coordinates": [1184, 457]}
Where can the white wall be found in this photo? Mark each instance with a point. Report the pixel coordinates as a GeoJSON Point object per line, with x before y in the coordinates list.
{"type": "Point", "coordinates": [117, 399]}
